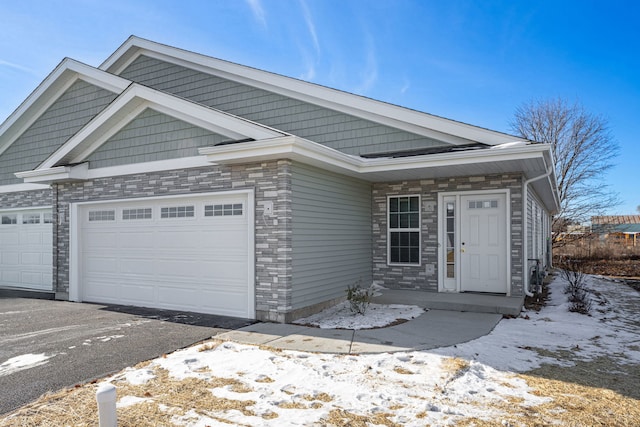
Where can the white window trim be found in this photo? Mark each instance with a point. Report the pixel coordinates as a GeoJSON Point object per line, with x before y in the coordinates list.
{"type": "Point", "coordinates": [419, 230]}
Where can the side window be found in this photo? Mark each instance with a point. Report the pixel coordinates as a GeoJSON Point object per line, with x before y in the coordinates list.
{"type": "Point", "coordinates": [223, 210]}
{"type": "Point", "coordinates": [177, 212]}
{"type": "Point", "coordinates": [404, 230]}
{"type": "Point", "coordinates": [106, 215]}
{"type": "Point", "coordinates": [144, 213]}
{"type": "Point", "coordinates": [31, 218]}
{"type": "Point", "coordinates": [8, 219]}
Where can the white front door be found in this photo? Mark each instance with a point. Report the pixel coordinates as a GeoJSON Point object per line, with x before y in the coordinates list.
{"type": "Point", "coordinates": [473, 242]}
{"type": "Point", "coordinates": [483, 243]}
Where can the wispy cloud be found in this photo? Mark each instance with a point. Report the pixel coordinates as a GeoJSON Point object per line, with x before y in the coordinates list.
{"type": "Point", "coordinates": [258, 11]}
{"type": "Point", "coordinates": [308, 19]}
{"type": "Point", "coordinates": [16, 66]}
{"type": "Point", "coordinates": [310, 64]}
{"type": "Point", "coordinates": [405, 87]}
{"type": "Point", "coordinates": [370, 72]}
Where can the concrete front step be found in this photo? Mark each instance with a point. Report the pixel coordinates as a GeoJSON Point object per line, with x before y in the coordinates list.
{"type": "Point", "coordinates": [472, 302]}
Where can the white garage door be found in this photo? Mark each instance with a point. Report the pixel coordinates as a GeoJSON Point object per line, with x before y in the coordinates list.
{"type": "Point", "coordinates": [175, 253]}
{"type": "Point", "coordinates": [26, 249]}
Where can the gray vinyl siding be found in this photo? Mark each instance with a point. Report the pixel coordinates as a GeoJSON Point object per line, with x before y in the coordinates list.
{"type": "Point", "coordinates": [337, 130]}
{"type": "Point", "coordinates": [331, 227]}
{"type": "Point", "coordinates": [152, 136]}
{"type": "Point", "coordinates": [537, 229]}
{"type": "Point", "coordinates": [74, 109]}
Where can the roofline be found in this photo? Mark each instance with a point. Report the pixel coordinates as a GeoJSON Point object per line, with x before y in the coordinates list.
{"type": "Point", "coordinates": [300, 148]}
{"type": "Point", "coordinates": [135, 99]}
{"type": "Point", "coordinates": [49, 90]}
{"type": "Point", "coordinates": [427, 125]}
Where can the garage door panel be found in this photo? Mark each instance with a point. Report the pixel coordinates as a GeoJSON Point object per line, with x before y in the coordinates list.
{"type": "Point", "coordinates": [179, 268]}
{"type": "Point", "coordinates": [31, 278]}
{"type": "Point", "coordinates": [197, 263]}
{"type": "Point", "coordinates": [10, 259]}
{"type": "Point", "coordinates": [136, 266]}
{"type": "Point", "coordinates": [100, 263]}
{"type": "Point", "coordinates": [101, 239]}
{"type": "Point", "coordinates": [9, 276]}
{"type": "Point", "coordinates": [136, 240]}
{"type": "Point", "coordinates": [31, 259]}
{"type": "Point", "coordinates": [138, 293]}
{"type": "Point", "coordinates": [10, 237]}
{"type": "Point", "coordinates": [32, 238]}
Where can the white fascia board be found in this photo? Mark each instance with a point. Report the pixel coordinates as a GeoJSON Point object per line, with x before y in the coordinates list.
{"type": "Point", "coordinates": [307, 151]}
{"type": "Point", "coordinates": [16, 188]}
{"type": "Point", "coordinates": [452, 159]}
{"type": "Point", "coordinates": [51, 88]}
{"type": "Point", "coordinates": [148, 167]}
{"type": "Point", "coordinates": [135, 99]}
{"type": "Point", "coordinates": [57, 174]}
{"type": "Point", "coordinates": [446, 130]}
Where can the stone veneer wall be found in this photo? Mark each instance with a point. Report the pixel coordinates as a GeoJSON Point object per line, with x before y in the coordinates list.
{"type": "Point", "coordinates": [26, 199]}
{"type": "Point", "coordinates": [402, 277]}
{"type": "Point", "coordinates": [271, 181]}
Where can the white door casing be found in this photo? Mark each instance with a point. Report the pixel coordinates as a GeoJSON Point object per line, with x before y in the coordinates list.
{"type": "Point", "coordinates": [26, 248]}
{"type": "Point", "coordinates": [183, 252]}
{"type": "Point", "coordinates": [476, 257]}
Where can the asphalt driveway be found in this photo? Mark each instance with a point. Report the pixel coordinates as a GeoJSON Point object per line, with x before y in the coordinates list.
{"type": "Point", "coordinates": [49, 345]}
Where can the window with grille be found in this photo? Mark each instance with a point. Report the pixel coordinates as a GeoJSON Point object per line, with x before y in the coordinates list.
{"type": "Point", "coordinates": [106, 215]}
{"type": "Point", "coordinates": [404, 230]}
{"type": "Point", "coordinates": [144, 213]}
{"type": "Point", "coordinates": [223, 210]}
{"type": "Point", "coordinates": [177, 212]}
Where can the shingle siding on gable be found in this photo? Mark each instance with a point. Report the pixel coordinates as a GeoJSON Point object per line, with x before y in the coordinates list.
{"type": "Point", "coordinates": [152, 136]}
{"type": "Point", "coordinates": [334, 129]}
{"type": "Point", "coordinates": [75, 108]}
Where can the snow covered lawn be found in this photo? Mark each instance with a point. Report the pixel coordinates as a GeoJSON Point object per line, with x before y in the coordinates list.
{"type": "Point", "coordinates": [550, 367]}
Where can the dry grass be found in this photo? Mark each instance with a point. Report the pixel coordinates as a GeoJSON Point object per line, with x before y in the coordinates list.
{"type": "Point", "coordinates": [403, 371]}
{"type": "Point", "coordinates": [166, 397]}
{"type": "Point", "coordinates": [342, 418]}
{"type": "Point", "coordinates": [455, 366]}
{"type": "Point", "coordinates": [571, 404]}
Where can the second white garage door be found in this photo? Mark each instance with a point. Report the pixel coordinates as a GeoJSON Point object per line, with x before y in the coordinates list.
{"type": "Point", "coordinates": [182, 253]}
{"type": "Point", "coordinates": [26, 249]}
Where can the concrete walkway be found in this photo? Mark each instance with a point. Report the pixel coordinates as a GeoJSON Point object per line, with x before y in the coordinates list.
{"type": "Point", "coordinates": [434, 328]}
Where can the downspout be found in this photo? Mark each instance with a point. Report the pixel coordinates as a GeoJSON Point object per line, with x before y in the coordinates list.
{"type": "Point", "coordinates": [525, 231]}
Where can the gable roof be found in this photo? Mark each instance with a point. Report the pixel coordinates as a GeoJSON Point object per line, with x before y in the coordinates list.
{"type": "Point", "coordinates": [413, 121]}
{"type": "Point", "coordinates": [51, 88]}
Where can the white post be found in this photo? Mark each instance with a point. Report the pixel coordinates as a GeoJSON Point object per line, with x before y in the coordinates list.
{"type": "Point", "coordinates": [106, 397]}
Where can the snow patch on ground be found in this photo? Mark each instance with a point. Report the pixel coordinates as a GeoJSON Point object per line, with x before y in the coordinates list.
{"type": "Point", "coordinates": [376, 316]}
{"type": "Point", "coordinates": [436, 387]}
{"type": "Point", "coordinates": [22, 362]}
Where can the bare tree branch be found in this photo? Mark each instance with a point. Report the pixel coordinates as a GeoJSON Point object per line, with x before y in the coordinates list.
{"type": "Point", "coordinates": [584, 150]}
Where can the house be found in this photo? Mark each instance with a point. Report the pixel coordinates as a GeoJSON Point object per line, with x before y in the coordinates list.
{"type": "Point", "coordinates": [165, 178]}
{"type": "Point", "coordinates": [623, 229]}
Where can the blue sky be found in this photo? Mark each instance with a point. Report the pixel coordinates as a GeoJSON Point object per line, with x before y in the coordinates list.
{"type": "Point", "coordinates": [472, 61]}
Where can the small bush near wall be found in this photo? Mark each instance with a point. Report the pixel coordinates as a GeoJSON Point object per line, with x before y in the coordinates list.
{"type": "Point", "coordinates": [577, 293]}
{"type": "Point", "coordinates": [359, 298]}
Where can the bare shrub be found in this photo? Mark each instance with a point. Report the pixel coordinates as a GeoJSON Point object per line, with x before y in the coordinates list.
{"type": "Point", "coordinates": [359, 298]}
{"type": "Point", "coordinates": [577, 292]}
